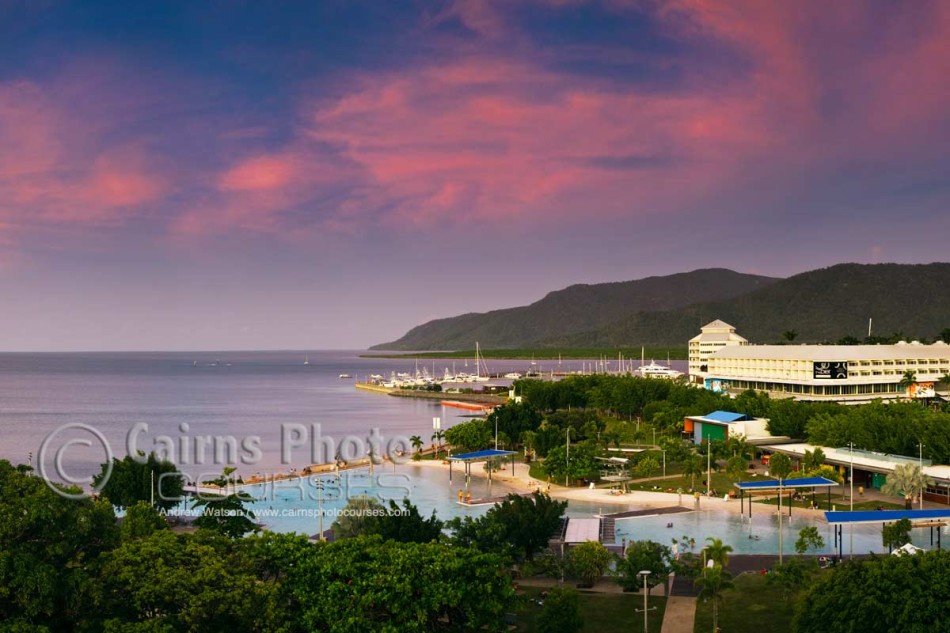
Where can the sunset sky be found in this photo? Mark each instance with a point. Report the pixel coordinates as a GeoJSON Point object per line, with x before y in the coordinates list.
{"type": "Point", "coordinates": [243, 175]}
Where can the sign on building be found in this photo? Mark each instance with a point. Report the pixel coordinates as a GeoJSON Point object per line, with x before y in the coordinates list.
{"type": "Point", "coordinates": [823, 370]}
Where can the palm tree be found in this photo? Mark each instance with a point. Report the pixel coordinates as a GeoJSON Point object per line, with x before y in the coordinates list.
{"type": "Point", "coordinates": [907, 480]}
{"type": "Point", "coordinates": [945, 381]}
{"type": "Point", "coordinates": [416, 442]}
{"type": "Point", "coordinates": [717, 552]}
{"type": "Point", "coordinates": [712, 583]}
{"type": "Point", "coordinates": [693, 466]}
{"type": "Point", "coordinates": [909, 378]}
{"type": "Point", "coordinates": [438, 436]}
{"type": "Point", "coordinates": [790, 335]}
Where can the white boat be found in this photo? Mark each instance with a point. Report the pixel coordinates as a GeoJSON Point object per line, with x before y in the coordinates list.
{"type": "Point", "coordinates": [306, 360]}
{"type": "Point", "coordinates": [477, 377]}
{"type": "Point", "coordinates": [513, 375]}
{"type": "Point", "coordinates": [655, 370]}
{"type": "Point", "coordinates": [345, 376]}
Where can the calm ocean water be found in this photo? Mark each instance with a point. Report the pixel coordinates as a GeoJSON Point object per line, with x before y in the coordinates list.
{"type": "Point", "coordinates": [252, 394]}
{"type": "Point", "coordinates": [216, 394]}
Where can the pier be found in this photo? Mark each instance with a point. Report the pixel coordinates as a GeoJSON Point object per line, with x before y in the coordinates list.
{"type": "Point", "coordinates": [476, 398]}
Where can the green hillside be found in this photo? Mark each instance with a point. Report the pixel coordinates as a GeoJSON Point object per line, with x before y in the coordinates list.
{"type": "Point", "coordinates": [576, 309]}
{"type": "Point", "coordinates": [912, 301]}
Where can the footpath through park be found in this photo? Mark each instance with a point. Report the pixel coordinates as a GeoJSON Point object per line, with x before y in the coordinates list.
{"type": "Point", "coordinates": [679, 615]}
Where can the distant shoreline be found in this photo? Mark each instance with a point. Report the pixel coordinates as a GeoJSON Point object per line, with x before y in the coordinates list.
{"type": "Point", "coordinates": [658, 353]}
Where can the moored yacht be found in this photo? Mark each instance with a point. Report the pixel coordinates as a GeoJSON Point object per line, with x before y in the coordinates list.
{"type": "Point", "coordinates": [655, 370]}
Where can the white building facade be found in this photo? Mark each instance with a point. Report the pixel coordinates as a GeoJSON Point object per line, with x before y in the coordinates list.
{"type": "Point", "coordinates": [846, 373]}
{"type": "Point", "coordinates": [712, 337]}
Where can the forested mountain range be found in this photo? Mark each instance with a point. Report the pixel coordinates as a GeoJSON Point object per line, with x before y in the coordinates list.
{"type": "Point", "coordinates": [909, 301]}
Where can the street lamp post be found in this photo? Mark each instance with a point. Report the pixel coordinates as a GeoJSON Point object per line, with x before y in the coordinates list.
{"type": "Point", "coordinates": [921, 465]}
{"type": "Point", "coordinates": [663, 450]}
{"type": "Point", "coordinates": [319, 484]}
{"type": "Point", "coordinates": [780, 548]}
{"type": "Point", "coordinates": [567, 459]}
{"type": "Point", "coordinates": [643, 574]}
{"type": "Point", "coordinates": [851, 523]}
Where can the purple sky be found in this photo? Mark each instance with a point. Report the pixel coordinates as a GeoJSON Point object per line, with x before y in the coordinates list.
{"type": "Point", "coordinates": [224, 175]}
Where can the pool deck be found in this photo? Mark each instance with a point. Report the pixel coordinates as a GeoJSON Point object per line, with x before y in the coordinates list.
{"type": "Point", "coordinates": [641, 502]}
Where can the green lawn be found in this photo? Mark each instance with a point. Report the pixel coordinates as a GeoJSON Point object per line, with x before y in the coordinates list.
{"type": "Point", "coordinates": [753, 606]}
{"type": "Point", "coordinates": [536, 470]}
{"type": "Point", "coordinates": [603, 612]}
{"type": "Point", "coordinates": [721, 482]}
{"type": "Point", "coordinates": [839, 502]}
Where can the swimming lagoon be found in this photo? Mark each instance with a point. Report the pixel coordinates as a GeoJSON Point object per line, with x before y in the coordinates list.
{"type": "Point", "coordinates": [294, 505]}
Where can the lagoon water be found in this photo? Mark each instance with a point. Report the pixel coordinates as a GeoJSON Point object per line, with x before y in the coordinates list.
{"type": "Point", "coordinates": [241, 395]}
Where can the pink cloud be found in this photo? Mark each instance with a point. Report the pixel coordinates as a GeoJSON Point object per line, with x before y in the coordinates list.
{"type": "Point", "coordinates": [257, 191]}
{"type": "Point", "coordinates": [259, 173]}
{"type": "Point", "coordinates": [490, 138]}
{"type": "Point", "coordinates": [501, 137]}
{"type": "Point", "coordinates": [53, 172]}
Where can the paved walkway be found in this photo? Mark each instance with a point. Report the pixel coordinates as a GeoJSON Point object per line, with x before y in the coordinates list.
{"type": "Point", "coordinates": [680, 614]}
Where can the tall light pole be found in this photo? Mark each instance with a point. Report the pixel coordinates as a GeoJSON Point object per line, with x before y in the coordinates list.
{"type": "Point", "coordinates": [644, 574]}
{"type": "Point", "coordinates": [921, 466]}
{"type": "Point", "coordinates": [851, 523]}
{"type": "Point", "coordinates": [663, 450]}
{"type": "Point", "coordinates": [567, 459]}
{"type": "Point", "coordinates": [708, 466]}
{"type": "Point", "coordinates": [320, 507]}
{"type": "Point", "coordinates": [781, 549]}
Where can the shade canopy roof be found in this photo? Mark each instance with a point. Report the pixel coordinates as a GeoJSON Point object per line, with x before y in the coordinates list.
{"type": "Point", "coordinates": [480, 456]}
{"type": "Point", "coordinates": [886, 516]}
{"type": "Point", "coordinates": [773, 484]}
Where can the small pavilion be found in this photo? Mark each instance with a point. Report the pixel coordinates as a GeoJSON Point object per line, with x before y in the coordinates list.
{"type": "Point", "coordinates": [479, 456]}
{"type": "Point", "coordinates": [776, 486]}
{"type": "Point", "coordinates": [918, 518]}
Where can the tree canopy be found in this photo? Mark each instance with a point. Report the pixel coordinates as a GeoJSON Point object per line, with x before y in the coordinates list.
{"type": "Point", "coordinates": [66, 566]}
{"type": "Point", "coordinates": [49, 550]}
{"type": "Point", "coordinates": [519, 525]}
{"type": "Point", "coordinates": [644, 556]}
{"type": "Point", "coordinates": [145, 478]}
{"type": "Point", "coordinates": [879, 593]}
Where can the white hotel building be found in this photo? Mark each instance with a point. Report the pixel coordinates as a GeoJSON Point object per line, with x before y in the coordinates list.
{"type": "Point", "coordinates": [712, 337]}
{"type": "Point", "coordinates": [847, 373]}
